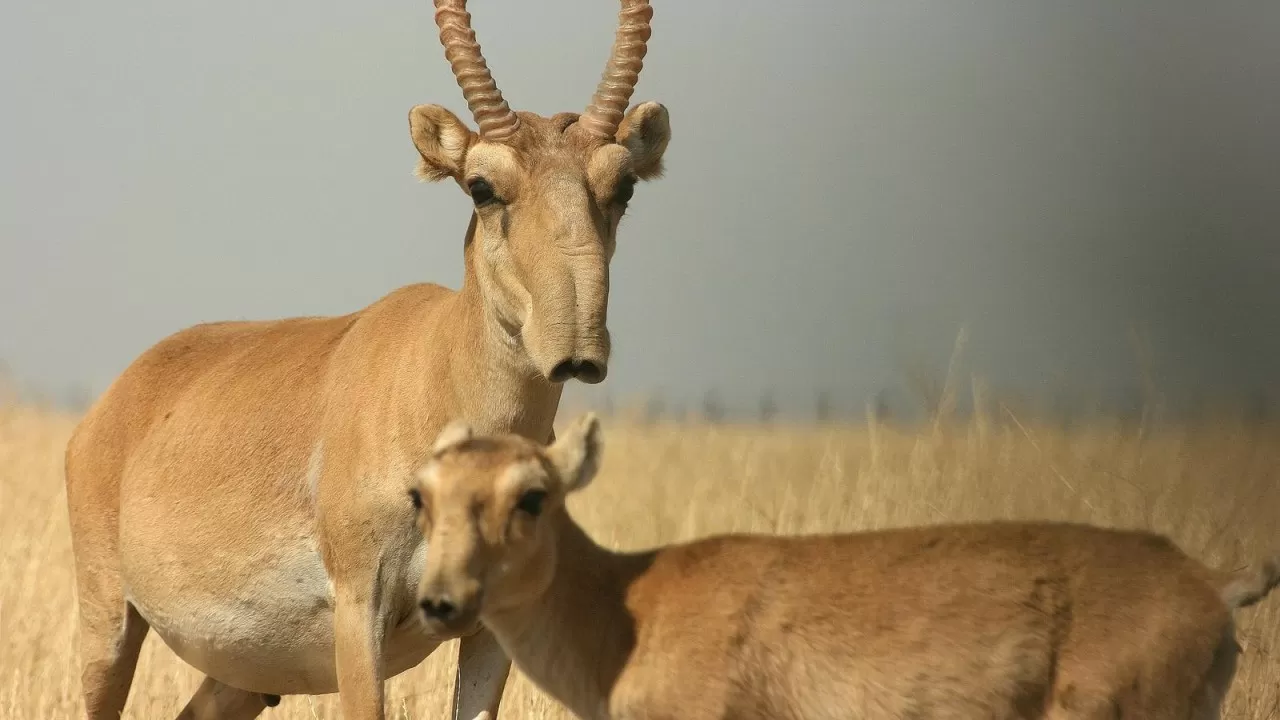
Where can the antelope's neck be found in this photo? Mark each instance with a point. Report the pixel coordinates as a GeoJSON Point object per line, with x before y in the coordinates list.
{"type": "Point", "coordinates": [488, 373]}
{"type": "Point", "coordinates": [575, 638]}
{"type": "Point", "coordinates": [497, 386]}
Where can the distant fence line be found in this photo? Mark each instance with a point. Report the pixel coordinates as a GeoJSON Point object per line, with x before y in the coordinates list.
{"type": "Point", "coordinates": [832, 405]}
{"type": "Point", "coordinates": [896, 405]}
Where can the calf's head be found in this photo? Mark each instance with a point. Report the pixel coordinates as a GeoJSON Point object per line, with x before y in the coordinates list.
{"type": "Point", "coordinates": [491, 509]}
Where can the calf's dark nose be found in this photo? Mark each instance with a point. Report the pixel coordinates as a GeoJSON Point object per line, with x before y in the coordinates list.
{"type": "Point", "coordinates": [438, 608]}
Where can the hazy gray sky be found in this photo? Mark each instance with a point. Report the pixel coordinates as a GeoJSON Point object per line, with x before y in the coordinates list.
{"type": "Point", "coordinates": [848, 181]}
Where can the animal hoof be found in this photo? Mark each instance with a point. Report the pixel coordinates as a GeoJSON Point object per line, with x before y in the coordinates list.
{"type": "Point", "coordinates": [271, 700]}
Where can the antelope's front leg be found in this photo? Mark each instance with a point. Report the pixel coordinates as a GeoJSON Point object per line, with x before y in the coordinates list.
{"type": "Point", "coordinates": [482, 674]}
{"type": "Point", "coordinates": [358, 632]}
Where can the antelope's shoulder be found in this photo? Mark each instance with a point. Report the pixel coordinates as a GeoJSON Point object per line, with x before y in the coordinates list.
{"type": "Point", "coordinates": [717, 569]}
{"type": "Point", "coordinates": [407, 299]}
{"type": "Point", "coordinates": [395, 322]}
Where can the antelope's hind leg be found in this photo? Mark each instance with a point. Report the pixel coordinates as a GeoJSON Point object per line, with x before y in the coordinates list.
{"type": "Point", "coordinates": [216, 701]}
{"type": "Point", "coordinates": [111, 630]}
{"type": "Point", "coordinates": [111, 636]}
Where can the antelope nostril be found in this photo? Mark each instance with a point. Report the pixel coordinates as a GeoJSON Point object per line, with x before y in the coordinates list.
{"type": "Point", "coordinates": [587, 371]}
{"type": "Point", "coordinates": [440, 609]}
{"type": "Point", "coordinates": [565, 370]}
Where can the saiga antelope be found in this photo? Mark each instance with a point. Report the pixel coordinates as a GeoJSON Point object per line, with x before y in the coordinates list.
{"type": "Point", "coordinates": [239, 488]}
{"type": "Point", "coordinates": [958, 622]}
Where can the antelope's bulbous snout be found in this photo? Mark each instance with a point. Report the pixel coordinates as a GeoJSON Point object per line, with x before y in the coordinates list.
{"type": "Point", "coordinates": [566, 331]}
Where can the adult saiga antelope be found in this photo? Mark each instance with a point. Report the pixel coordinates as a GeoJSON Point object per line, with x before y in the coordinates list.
{"type": "Point", "coordinates": [961, 622]}
{"type": "Point", "coordinates": [239, 488]}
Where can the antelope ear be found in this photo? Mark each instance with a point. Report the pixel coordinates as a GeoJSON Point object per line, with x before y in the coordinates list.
{"type": "Point", "coordinates": [442, 141]}
{"type": "Point", "coordinates": [454, 433]}
{"type": "Point", "coordinates": [645, 132]}
{"type": "Point", "coordinates": [576, 455]}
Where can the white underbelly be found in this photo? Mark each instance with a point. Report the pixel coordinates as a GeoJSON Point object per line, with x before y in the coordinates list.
{"type": "Point", "coordinates": [267, 627]}
{"type": "Point", "coordinates": [263, 625]}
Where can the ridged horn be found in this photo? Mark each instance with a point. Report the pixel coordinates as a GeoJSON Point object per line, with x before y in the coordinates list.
{"type": "Point", "coordinates": [492, 114]}
{"type": "Point", "coordinates": [604, 114]}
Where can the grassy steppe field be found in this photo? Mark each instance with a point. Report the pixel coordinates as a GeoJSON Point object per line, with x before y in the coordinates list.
{"type": "Point", "coordinates": [1214, 488]}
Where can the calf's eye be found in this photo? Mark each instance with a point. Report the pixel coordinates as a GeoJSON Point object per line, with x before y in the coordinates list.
{"type": "Point", "coordinates": [531, 502]}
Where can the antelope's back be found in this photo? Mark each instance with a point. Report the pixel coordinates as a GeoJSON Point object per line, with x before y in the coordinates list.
{"type": "Point", "coordinates": [963, 619]}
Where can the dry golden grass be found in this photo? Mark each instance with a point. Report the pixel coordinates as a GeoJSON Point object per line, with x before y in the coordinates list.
{"type": "Point", "coordinates": [1215, 490]}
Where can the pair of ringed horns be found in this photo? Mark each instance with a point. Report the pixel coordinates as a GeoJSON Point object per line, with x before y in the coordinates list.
{"type": "Point", "coordinates": [496, 119]}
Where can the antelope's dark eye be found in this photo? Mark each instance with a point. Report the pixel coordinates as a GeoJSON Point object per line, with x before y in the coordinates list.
{"type": "Point", "coordinates": [416, 497]}
{"type": "Point", "coordinates": [531, 502]}
{"type": "Point", "coordinates": [626, 188]}
{"type": "Point", "coordinates": [481, 191]}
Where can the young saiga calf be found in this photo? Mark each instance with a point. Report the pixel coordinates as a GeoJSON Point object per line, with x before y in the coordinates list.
{"type": "Point", "coordinates": [982, 621]}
